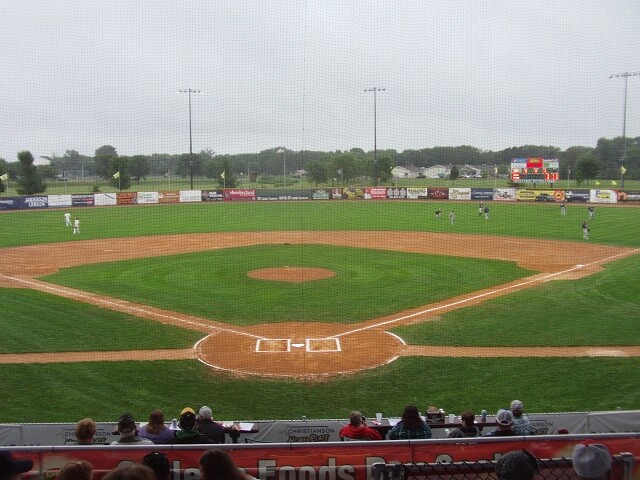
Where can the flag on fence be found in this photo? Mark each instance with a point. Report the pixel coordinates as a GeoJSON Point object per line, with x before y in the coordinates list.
{"type": "Point", "coordinates": [623, 170]}
{"type": "Point", "coordinates": [222, 175]}
{"type": "Point", "coordinates": [116, 175]}
{"type": "Point", "coordinates": [4, 177]}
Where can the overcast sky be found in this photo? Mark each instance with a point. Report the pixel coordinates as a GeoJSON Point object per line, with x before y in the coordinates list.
{"type": "Point", "coordinates": [78, 74]}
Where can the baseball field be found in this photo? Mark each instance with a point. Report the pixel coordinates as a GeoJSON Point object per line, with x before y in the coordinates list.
{"type": "Point", "coordinates": [283, 310]}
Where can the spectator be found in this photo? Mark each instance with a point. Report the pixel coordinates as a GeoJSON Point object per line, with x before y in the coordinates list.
{"type": "Point", "coordinates": [216, 464]}
{"type": "Point", "coordinates": [521, 423]}
{"type": "Point", "coordinates": [155, 430]}
{"type": "Point", "coordinates": [159, 463]}
{"type": "Point", "coordinates": [81, 470]}
{"type": "Point", "coordinates": [357, 429]}
{"type": "Point", "coordinates": [468, 428]}
{"type": "Point", "coordinates": [85, 432]}
{"type": "Point", "coordinates": [188, 432]}
{"type": "Point", "coordinates": [11, 468]}
{"type": "Point", "coordinates": [504, 422]}
{"type": "Point", "coordinates": [127, 431]}
{"type": "Point", "coordinates": [411, 426]}
{"type": "Point", "coordinates": [517, 465]}
{"type": "Point", "coordinates": [130, 472]}
{"type": "Point", "coordinates": [213, 430]}
{"type": "Point", "coordinates": [592, 461]}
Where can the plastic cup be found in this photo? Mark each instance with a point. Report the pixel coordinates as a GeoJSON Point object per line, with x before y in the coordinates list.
{"type": "Point", "coordinates": [379, 417]}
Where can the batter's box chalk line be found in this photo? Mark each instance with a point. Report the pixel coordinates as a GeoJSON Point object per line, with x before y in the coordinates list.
{"type": "Point", "coordinates": [284, 345]}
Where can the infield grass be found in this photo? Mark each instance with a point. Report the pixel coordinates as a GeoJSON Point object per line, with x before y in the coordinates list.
{"type": "Point", "coordinates": [601, 309]}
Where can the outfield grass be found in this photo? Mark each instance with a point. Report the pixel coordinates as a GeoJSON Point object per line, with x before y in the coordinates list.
{"type": "Point", "coordinates": [601, 309]}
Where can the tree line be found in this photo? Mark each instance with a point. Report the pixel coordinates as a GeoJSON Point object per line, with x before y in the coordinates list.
{"type": "Point", "coordinates": [578, 163]}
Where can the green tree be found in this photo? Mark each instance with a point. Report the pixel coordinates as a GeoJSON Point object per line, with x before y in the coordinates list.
{"type": "Point", "coordinates": [344, 167]}
{"type": "Point", "coordinates": [587, 168]}
{"type": "Point", "coordinates": [382, 168]}
{"type": "Point", "coordinates": [102, 160]}
{"type": "Point", "coordinates": [29, 180]}
{"type": "Point", "coordinates": [454, 173]}
{"type": "Point", "coordinates": [317, 172]}
{"type": "Point", "coordinates": [139, 166]}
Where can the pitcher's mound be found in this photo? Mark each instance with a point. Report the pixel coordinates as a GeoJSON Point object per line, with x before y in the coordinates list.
{"type": "Point", "coordinates": [291, 274]}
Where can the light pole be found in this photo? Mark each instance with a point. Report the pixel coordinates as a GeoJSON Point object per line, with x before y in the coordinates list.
{"type": "Point", "coordinates": [626, 76]}
{"type": "Point", "coordinates": [189, 91]}
{"type": "Point", "coordinates": [375, 90]}
{"type": "Point", "coordinates": [283, 151]}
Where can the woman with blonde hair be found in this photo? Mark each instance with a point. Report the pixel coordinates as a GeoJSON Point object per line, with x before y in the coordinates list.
{"type": "Point", "coordinates": [81, 470]}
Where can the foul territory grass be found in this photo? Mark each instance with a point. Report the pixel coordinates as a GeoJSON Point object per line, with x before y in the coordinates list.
{"type": "Point", "coordinates": [597, 310]}
{"type": "Point", "coordinates": [103, 391]}
{"type": "Point", "coordinates": [39, 322]}
{"type": "Point", "coordinates": [215, 284]}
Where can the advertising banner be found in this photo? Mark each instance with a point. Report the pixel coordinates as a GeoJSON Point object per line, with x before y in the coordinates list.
{"type": "Point", "coordinates": [10, 203]}
{"type": "Point", "coordinates": [438, 193]}
{"type": "Point", "coordinates": [484, 194]}
{"type": "Point", "coordinates": [577, 195]}
{"type": "Point", "coordinates": [540, 195]}
{"type": "Point", "coordinates": [212, 195]}
{"type": "Point", "coordinates": [169, 197]}
{"type": "Point", "coordinates": [603, 196]}
{"type": "Point", "coordinates": [103, 199]}
{"type": "Point", "coordinates": [417, 193]}
{"type": "Point", "coordinates": [83, 200]}
{"type": "Point", "coordinates": [190, 196]}
{"type": "Point", "coordinates": [126, 198]}
{"type": "Point", "coordinates": [35, 201]}
{"type": "Point", "coordinates": [326, 461]}
{"type": "Point", "coordinates": [284, 195]}
{"type": "Point", "coordinates": [397, 193]}
{"type": "Point", "coordinates": [376, 193]}
{"type": "Point", "coordinates": [239, 194]}
{"type": "Point", "coordinates": [321, 194]}
{"type": "Point", "coordinates": [504, 194]}
{"type": "Point", "coordinates": [147, 198]}
{"type": "Point", "coordinates": [56, 201]}
{"type": "Point", "coordinates": [459, 193]}
{"type": "Point", "coordinates": [628, 195]}
{"type": "Point", "coordinates": [336, 194]}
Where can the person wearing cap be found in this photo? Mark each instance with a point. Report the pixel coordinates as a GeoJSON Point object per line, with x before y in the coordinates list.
{"type": "Point", "coordinates": [127, 431]}
{"type": "Point", "coordinates": [188, 433]}
{"type": "Point", "coordinates": [517, 465]}
{"type": "Point", "coordinates": [11, 468]}
{"type": "Point", "coordinates": [592, 461]}
{"type": "Point", "coordinates": [504, 425]}
{"type": "Point", "coordinates": [207, 426]}
{"type": "Point", "coordinates": [521, 422]}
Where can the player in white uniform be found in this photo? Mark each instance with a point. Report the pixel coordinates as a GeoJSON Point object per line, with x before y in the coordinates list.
{"type": "Point", "coordinates": [67, 219]}
{"type": "Point", "coordinates": [76, 226]}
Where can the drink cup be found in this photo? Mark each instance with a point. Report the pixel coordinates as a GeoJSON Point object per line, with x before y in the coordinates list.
{"type": "Point", "coordinates": [379, 417]}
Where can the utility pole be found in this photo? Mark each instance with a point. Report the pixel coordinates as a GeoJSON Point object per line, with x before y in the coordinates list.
{"type": "Point", "coordinates": [375, 90]}
{"type": "Point", "coordinates": [189, 91]}
{"type": "Point", "coordinates": [626, 76]}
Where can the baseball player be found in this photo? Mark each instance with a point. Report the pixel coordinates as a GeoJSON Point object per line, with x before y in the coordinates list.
{"type": "Point", "coordinates": [76, 226]}
{"type": "Point", "coordinates": [438, 214]}
{"type": "Point", "coordinates": [67, 219]}
{"type": "Point", "coordinates": [452, 217]}
{"type": "Point", "coordinates": [585, 230]}
{"type": "Point", "coordinates": [563, 209]}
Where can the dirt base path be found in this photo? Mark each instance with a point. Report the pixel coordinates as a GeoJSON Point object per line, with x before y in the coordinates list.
{"type": "Point", "coordinates": [307, 350]}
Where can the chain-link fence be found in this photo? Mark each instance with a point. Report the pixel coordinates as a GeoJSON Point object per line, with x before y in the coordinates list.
{"type": "Point", "coordinates": [550, 469]}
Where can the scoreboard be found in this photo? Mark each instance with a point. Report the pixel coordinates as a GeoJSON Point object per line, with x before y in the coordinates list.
{"type": "Point", "coordinates": [534, 169]}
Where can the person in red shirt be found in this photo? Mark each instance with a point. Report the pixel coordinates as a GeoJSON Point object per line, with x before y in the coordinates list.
{"type": "Point", "coordinates": [358, 430]}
